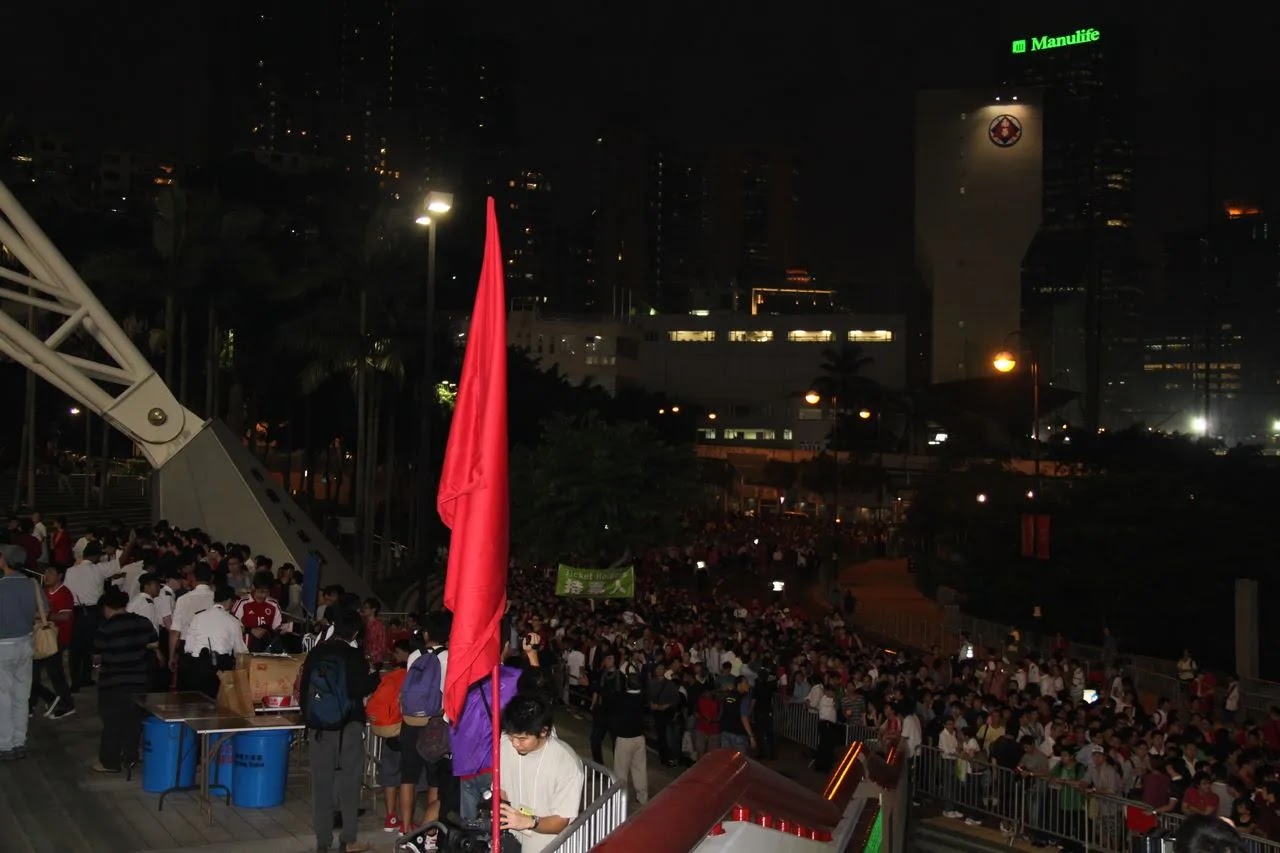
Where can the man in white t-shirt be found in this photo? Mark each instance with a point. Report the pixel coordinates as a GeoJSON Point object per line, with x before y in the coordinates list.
{"type": "Point", "coordinates": [541, 776]}
{"type": "Point", "coordinates": [574, 663]}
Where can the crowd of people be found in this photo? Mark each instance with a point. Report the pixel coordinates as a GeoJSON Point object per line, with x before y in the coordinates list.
{"type": "Point", "coordinates": [699, 658]}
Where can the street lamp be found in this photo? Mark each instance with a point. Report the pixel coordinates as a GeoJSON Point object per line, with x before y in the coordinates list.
{"type": "Point", "coordinates": [1005, 362]}
{"type": "Point", "coordinates": [864, 414]}
{"type": "Point", "coordinates": [813, 398]}
{"type": "Point", "coordinates": [436, 206]}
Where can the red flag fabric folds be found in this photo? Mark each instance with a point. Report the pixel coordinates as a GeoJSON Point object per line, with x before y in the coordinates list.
{"type": "Point", "coordinates": [473, 499]}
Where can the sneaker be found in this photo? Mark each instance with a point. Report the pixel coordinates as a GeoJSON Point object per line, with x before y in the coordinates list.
{"type": "Point", "coordinates": [99, 767]}
{"type": "Point", "coordinates": [953, 814]}
{"type": "Point", "coordinates": [972, 821]}
{"type": "Point", "coordinates": [57, 700]}
{"type": "Point", "coordinates": [62, 713]}
{"type": "Point", "coordinates": [392, 824]}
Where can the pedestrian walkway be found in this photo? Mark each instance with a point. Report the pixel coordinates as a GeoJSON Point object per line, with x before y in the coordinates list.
{"type": "Point", "coordinates": [890, 603]}
{"type": "Point", "coordinates": [52, 802]}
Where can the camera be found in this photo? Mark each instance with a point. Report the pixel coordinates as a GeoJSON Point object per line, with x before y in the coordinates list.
{"type": "Point", "coordinates": [458, 835]}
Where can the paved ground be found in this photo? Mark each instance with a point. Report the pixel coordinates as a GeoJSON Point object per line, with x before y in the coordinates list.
{"type": "Point", "coordinates": [53, 802]}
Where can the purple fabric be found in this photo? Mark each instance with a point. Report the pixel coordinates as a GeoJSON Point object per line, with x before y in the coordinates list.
{"type": "Point", "coordinates": [473, 736]}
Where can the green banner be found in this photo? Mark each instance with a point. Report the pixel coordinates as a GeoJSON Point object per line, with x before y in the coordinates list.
{"type": "Point", "coordinates": [596, 583]}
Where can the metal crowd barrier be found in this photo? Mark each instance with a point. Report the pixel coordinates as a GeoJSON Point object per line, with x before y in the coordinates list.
{"type": "Point", "coordinates": [1041, 809]}
{"type": "Point", "coordinates": [604, 809]}
{"type": "Point", "coordinates": [793, 720]}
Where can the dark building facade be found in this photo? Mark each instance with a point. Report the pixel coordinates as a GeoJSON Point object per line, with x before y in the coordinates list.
{"type": "Point", "coordinates": [1081, 292]}
{"type": "Point", "coordinates": [1211, 366]}
{"type": "Point", "coordinates": [398, 89]}
{"type": "Point", "coordinates": [679, 219]}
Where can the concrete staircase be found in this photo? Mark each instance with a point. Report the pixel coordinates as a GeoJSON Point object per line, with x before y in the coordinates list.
{"type": "Point", "coordinates": [128, 501]}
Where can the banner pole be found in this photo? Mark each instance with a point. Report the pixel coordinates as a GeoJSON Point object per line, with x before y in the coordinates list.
{"type": "Point", "coordinates": [495, 707]}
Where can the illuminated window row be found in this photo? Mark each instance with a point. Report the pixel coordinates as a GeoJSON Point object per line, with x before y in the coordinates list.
{"type": "Point", "coordinates": [746, 434]}
{"type": "Point", "coordinates": [764, 336]}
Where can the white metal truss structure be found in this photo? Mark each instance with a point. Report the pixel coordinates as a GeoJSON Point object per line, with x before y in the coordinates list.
{"type": "Point", "coordinates": [112, 378]}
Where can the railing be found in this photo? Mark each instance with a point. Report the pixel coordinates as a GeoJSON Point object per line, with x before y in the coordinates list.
{"type": "Point", "coordinates": [604, 809]}
{"type": "Point", "coordinates": [793, 720]}
{"type": "Point", "coordinates": [1042, 809]}
{"type": "Point", "coordinates": [1149, 674]}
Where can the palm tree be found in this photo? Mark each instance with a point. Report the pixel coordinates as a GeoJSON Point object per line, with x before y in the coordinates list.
{"type": "Point", "coordinates": [365, 277]}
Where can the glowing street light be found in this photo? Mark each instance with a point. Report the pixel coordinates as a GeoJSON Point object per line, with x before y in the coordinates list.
{"type": "Point", "coordinates": [813, 398]}
{"type": "Point", "coordinates": [73, 411]}
{"type": "Point", "coordinates": [1200, 425]}
{"type": "Point", "coordinates": [434, 208]}
{"type": "Point", "coordinates": [864, 413]}
{"type": "Point", "coordinates": [439, 203]}
{"type": "Point", "coordinates": [982, 497]}
{"type": "Point", "coordinates": [711, 416]}
{"type": "Point", "coordinates": [1004, 362]}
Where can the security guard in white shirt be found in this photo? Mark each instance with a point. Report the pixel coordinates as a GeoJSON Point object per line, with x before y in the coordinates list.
{"type": "Point", "coordinates": [145, 602]}
{"type": "Point", "coordinates": [185, 610]}
{"type": "Point", "coordinates": [210, 644]}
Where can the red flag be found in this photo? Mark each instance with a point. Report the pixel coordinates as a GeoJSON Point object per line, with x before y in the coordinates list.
{"type": "Point", "coordinates": [473, 499]}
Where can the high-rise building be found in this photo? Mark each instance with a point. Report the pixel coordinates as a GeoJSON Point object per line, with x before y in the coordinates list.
{"type": "Point", "coordinates": [679, 219]}
{"type": "Point", "coordinates": [1081, 291]}
{"type": "Point", "coordinates": [529, 240]}
{"type": "Point", "coordinates": [977, 208]}
{"type": "Point", "coordinates": [392, 88]}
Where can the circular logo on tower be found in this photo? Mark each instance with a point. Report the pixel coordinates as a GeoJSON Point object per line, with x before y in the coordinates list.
{"type": "Point", "coordinates": [1005, 131]}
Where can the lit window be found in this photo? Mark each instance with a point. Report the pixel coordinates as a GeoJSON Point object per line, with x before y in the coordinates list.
{"type": "Point", "coordinates": [708, 434]}
{"type": "Point", "coordinates": [802, 337]}
{"type": "Point", "coordinates": [786, 435]}
{"type": "Point", "coordinates": [699, 337]}
{"type": "Point", "coordinates": [877, 336]}
{"type": "Point", "coordinates": [754, 336]}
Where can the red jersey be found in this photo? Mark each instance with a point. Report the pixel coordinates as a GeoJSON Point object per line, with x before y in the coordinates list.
{"type": "Point", "coordinates": [60, 599]}
{"type": "Point", "coordinates": [258, 614]}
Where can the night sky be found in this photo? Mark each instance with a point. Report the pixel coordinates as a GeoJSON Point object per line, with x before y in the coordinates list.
{"type": "Point", "coordinates": [834, 81]}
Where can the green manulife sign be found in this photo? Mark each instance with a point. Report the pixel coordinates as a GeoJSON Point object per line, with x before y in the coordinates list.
{"type": "Point", "coordinates": [1036, 43]}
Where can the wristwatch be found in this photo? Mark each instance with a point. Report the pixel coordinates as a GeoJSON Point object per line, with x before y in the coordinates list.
{"type": "Point", "coordinates": [536, 821]}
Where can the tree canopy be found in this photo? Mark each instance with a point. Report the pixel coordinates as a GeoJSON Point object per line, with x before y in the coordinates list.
{"type": "Point", "coordinates": [593, 491]}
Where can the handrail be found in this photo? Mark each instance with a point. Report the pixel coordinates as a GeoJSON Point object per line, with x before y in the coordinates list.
{"type": "Point", "coordinates": [690, 807]}
{"type": "Point", "coordinates": [604, 810]}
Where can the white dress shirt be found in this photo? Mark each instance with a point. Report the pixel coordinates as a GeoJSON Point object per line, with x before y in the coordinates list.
{"type": "Point", "coordinates": [144, 605]}
{"type": "Point", "coordinates": [214, 629]}
{"type": "Point", "coordinates": [164, 605]}
{"type": "Point", "coordinates": [85, 580]}
{"type": "Point", "coordinates": [39, 531]}
{"type": "Point", "coordinates": [129, 583]}
{"type": "Point", "coordinates": [196, 601]}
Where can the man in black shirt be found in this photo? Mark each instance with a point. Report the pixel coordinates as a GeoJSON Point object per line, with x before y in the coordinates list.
{"type": "Point", "coordinates": [337, 745]}
{"type": "Point", "coordinates": [630, 755]}
{"type": "Point", "coordinates": [125, 644]}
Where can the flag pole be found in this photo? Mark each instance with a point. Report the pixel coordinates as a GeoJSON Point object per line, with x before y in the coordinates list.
{"type": "Point", "coordinates": [495, 708]}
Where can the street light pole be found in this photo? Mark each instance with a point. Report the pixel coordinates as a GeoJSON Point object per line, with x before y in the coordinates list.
{"type": "Point", "coordinates": [835, 508]}
{"type": "Point", "coordinates": [437, 205]}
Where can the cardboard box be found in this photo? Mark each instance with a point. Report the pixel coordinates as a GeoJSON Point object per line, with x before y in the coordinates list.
{"type": "Point", "coordinates": [271, 675]}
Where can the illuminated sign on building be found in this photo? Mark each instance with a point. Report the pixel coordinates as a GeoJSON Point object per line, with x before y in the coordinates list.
{"type": "Point", "coordinates": [1036, 43]}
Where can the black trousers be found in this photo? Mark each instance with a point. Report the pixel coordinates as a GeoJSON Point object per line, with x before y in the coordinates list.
{"type": "Point", "coordinates": [766, 743]}
{"type": "Point", "coordinates": [51, 665]}
{"type": "Point", "coordinates": [599, 731]}
{"type": "Point", "coordinates": [121, 727]}
{"type": "Point", "coordinates": [662, 721]}
{"type": "Point", "coordinates": [198, 674]}
{"type": "Point", "coordinates": [82, 634]}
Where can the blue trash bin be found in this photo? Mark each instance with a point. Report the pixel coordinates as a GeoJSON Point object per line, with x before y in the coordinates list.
{"type": "Point", "coordinates": [168, 756]}
{"type": "Point", "coordinates": [222, 766]}
{"type": "Point", "coordinates": [261, 769]}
